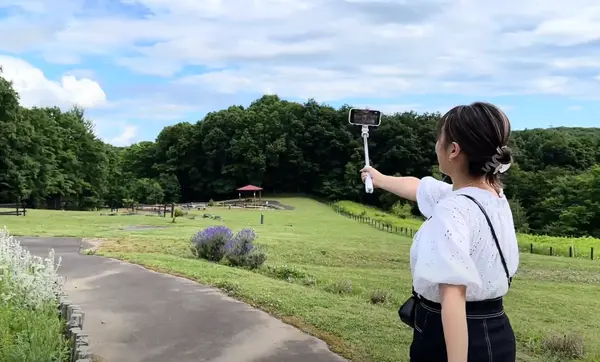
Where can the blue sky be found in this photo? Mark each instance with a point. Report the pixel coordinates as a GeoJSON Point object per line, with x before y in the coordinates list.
{"type": "Point", "coordinates": [139, 65]}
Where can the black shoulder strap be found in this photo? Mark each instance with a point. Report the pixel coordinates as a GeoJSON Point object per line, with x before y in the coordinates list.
{"type": "Point", "coordinates": [487, 218]}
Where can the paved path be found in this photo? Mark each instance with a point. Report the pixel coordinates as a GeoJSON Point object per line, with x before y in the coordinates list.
{"type": "Point", "coordinates": [133, 314]}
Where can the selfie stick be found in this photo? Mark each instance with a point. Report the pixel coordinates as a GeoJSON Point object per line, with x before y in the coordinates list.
{"type": "Point", "coordinates": [365, 118]}
{"type": "Point", "coordinates": [368, 180]}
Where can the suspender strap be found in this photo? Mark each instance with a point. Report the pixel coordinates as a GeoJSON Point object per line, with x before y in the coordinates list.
{"type": "Point", "coordinates": [487, 218]}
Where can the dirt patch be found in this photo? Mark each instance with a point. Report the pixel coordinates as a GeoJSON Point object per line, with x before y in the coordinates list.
{"type": "Point", "coordinates": [280, 205]}
{"type": "Point", "coordinates": [89, 246]}
{"type": "Point", "coordinates": [96, 358]}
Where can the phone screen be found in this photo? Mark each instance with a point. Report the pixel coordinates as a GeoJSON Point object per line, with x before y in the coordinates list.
{"type": "Point", "coordinates": [365, 117]}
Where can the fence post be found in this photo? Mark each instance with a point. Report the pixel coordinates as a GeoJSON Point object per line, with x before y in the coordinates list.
{"type": "Point", "coordinates": [531, 248]}
{"type": "Point", "coordinates": [550, 251]}
{"type": "Point", "coordinates": [172, 210]}
{"type": "Point", "coordinates": [592, 253]}
{"type": "Point", "coordinates": [570, 251]}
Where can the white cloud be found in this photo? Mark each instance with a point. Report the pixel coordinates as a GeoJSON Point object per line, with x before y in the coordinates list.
{"type": "Point", "coordinates": [127, 136]}
{"type": "Point", "coordinates": [301, 82]}
{"type": "Point", "coordinates": [211, 52]}
{"type": "Point", "coordinates": [37, 90]}
{"type": "Point", "coordinates": [575, 108]}
{"type": "Point", "coordinates": [576, 63]}
{"type": "Point", "coordinates": [341, 49]}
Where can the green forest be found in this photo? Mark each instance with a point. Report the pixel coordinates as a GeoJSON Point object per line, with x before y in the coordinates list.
{"type": "Point", "coordinates": [52, 159]}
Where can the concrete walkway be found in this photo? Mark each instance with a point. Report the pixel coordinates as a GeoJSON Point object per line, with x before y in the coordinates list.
{"type": "Point", "coordinates": [133, 314]}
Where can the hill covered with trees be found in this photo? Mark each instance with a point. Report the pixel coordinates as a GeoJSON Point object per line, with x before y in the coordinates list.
{"type": "Point", "coordinates": [52, 158]}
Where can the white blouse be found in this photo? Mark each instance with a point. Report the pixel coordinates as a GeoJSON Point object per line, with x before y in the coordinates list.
{"type": "Point", "coordinates": [455, 244]}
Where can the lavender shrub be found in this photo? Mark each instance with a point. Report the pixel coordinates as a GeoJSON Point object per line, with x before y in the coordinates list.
{"type": "Point", "coordinates": [212, 243]}
{"type": "Point", "coordinates": [241, 250]}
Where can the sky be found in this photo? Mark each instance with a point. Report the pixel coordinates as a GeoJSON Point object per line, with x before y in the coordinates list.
{"type": "Point", "coordinates": [137, 66]}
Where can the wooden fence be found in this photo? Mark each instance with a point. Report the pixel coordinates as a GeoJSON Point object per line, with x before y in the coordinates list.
{"type": "Point", "coordinates": [7, 209]}
{"type": "Point", "coordinates": [159, 209]}
{"type": "Point", "coordinates": [404, 231]}
{"type": "Point", "coordinates": [531, 248]}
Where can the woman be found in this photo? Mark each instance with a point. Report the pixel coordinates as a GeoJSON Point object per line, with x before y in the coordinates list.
{"type": "Point", "coordinates": [459, 275]}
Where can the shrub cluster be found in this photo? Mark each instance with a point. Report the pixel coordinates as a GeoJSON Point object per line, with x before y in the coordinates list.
{"type": "Point", "coordinates": [216, 243]}
{"type": "Point", "coordinates": [569, 346]}
{"type": "Point", "coordinates": [30, 329]}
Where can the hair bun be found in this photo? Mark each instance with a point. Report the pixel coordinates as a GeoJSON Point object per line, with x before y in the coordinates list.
{"type": "Point", "coordinates": [500, 161]}
{"type": "Point", "coordinates": [505, 155]}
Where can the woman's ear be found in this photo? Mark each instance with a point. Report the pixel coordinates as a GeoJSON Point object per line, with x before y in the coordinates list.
{"type": "Point", "coordinates": [454, 150]}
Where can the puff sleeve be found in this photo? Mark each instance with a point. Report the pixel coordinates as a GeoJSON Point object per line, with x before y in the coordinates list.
{"type": "Point", "coordinates": [444, 251]}
{"type": "Point", "coordinates": [429, 192]}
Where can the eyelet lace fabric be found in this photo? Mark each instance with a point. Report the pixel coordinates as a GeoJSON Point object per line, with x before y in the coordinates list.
{"type": "Point", "coordinates": [455, 244]}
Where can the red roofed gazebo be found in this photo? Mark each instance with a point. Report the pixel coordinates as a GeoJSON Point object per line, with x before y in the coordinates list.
{"type": "Point", "coordinates": [250, 188]}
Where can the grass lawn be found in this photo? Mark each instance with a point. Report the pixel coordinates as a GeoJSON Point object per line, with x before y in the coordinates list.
{"type": "Point", "coordinates": [314, 253]}
{"type": "Point", "coordinates": [582, 247]}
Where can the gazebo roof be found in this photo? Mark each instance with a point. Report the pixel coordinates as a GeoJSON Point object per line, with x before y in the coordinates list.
{"type": "Point", "coordinates": [250, 188]}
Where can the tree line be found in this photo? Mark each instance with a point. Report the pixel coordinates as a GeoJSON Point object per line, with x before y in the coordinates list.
{"type": "Point", "coordinates": [53, 159]}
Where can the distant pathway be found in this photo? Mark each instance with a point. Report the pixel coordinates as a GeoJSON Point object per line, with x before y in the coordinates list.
{"type": "Point", "coordinates": [133, 314]}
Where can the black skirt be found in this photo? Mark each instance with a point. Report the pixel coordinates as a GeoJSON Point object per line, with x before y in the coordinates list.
{"type": "Point", "coordinates": [491, 337]}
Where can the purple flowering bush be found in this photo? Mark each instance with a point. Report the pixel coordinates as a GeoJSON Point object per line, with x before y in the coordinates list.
{"type": "Point", "coordinates": [217, 242]}
{"type": "Point", "coordinates": [242, 251]}
{"type": "Point", "coordinates": [211, 243]}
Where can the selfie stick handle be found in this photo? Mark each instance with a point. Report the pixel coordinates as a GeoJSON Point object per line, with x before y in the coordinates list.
{"type": "Point", "coordinates": [368, 180]}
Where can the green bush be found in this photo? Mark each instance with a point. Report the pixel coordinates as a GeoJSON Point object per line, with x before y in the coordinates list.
{"type": "Point", "coordinates": [380, 296]}
{"type": "Point", "coordinates": [28, 334]}
{"type": "Point", "coordinates": [570, 346]}
{"type": "Point", "coordinates": [252, 260]}
{"type": "Point", "coordinates": [401, 210]}
{"type": "Point", "coordinates": [340, 287]}
{"type": "Point", "coordinates": [179, 213]}
{"type": "Point", "coordinates": [285, 272]}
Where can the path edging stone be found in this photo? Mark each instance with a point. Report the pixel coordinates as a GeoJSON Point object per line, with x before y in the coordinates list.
{"type": "Point", "coordinates": [72, 315]}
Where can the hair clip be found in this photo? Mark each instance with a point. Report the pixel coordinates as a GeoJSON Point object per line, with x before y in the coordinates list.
{"type": "Point", "coordinates": [495, 164]}
{"type": "Point", "coordinates": [502, 168]}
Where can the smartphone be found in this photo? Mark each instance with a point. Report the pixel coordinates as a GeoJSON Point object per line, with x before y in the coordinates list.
{"type": "Point", "coordinates": [364, 117]}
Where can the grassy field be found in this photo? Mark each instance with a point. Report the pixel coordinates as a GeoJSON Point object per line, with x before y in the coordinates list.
{"type": "Point", "coordinates": [379, 215]}
{"type": "Point", "coordinates": [581, 247]}
{"type": "Point", "coordinates": [323, 269]}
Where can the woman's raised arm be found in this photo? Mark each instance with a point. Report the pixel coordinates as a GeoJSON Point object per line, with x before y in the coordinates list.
{"type": "Point", "coordinates": [404, 186]}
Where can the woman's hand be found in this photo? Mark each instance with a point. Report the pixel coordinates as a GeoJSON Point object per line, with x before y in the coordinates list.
{"type": "Point", "coordinates": [376, 176]}
{"type": "Point", "coordinates": [405, 187]}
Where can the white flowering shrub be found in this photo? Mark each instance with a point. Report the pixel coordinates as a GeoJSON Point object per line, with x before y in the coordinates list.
{"type": "Point", "coordinates": [25, 279]}
{"type": "Point", "coordinates": [30, 328]}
